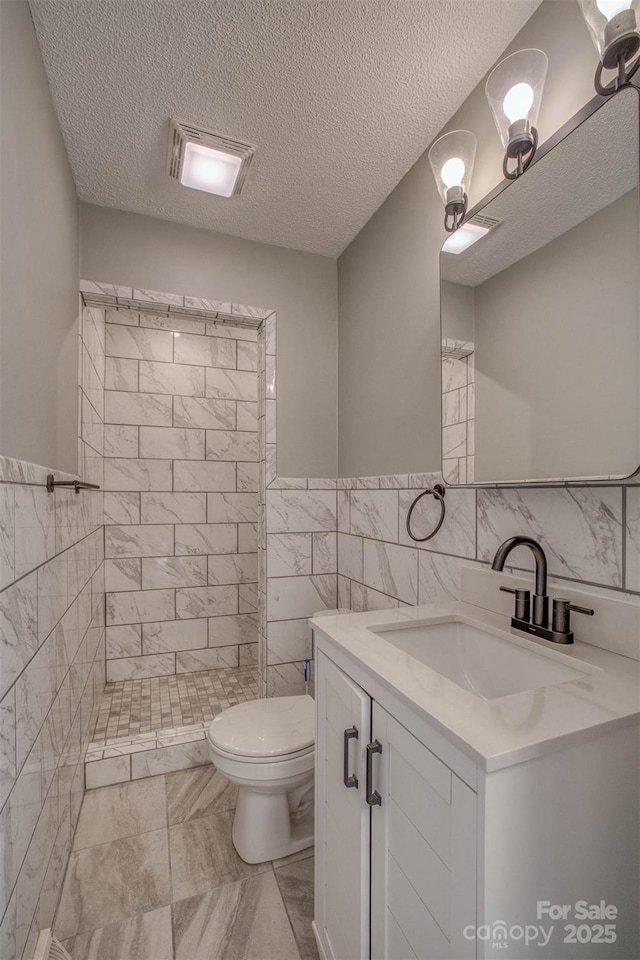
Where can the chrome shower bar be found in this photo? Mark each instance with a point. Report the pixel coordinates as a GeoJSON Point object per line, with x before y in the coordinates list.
{"type": "Point", "coordinates": [78, 485]}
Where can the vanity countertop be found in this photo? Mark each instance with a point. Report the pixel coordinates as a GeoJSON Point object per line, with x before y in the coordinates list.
{"type": "Point", "coordinates": [499, 732]}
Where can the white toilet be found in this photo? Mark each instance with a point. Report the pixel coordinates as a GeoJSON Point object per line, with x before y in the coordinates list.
{"type": "Point", "coordinates": [267, 748]}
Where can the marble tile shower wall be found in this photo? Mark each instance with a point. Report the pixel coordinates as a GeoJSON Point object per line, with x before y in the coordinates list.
{"type": "Point", "coordinates": [591, 535]}
{"type": "Point", "coordinates": [181, 507]}
{"type": "Point", "coordinates": [52, 649]}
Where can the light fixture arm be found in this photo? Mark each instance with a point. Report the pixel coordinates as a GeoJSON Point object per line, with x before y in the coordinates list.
{"type": "Point", "coordinates": [523, 157]}
{"type": "Point", "coordinates": [454, 213]}
{"type": "Point", "coordinates": [622, 78]}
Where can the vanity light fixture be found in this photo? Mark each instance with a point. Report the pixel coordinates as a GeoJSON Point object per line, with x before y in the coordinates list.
{"type": "Point", "coordinates": [451, 158]}
{"type": "Point", "coordinates": [514, 91]}
{"type": "Point", "coordinates": [206, 161]}
{"type": "Point", "coordinates": [614, 26]}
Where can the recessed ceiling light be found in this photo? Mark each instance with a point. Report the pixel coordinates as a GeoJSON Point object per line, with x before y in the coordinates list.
{"type": "Point", "coordinates": [469, 233]}
{"type": "Point", "coordinates": [205, 161]}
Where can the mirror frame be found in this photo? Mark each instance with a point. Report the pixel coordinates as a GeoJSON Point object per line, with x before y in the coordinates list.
{"type": "Point", "coordinates": [591, 107]}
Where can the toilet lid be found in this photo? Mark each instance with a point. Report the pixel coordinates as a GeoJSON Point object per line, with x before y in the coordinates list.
{"type": "Point", "coordinates": [265, 728]}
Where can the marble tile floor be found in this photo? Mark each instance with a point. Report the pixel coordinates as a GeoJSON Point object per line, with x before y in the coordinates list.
{"type": "Point", "coordinates": [153, 875]}
{"type": "Point", "coordinates": [133, 707]}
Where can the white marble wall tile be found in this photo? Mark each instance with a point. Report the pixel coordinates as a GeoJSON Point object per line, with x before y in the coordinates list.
{"type": "Point", "coordinates": [171, 443]}
{"type": "Point", "coordinates": [202, 476]}
{"type": "Point", "coordinates": [207, 351]}
{"type": "Point", "coordinates": [233, 568]}
{"type": "Point", "coordinates": [121, 507]}
{"type": "Point", "coordinates": [181, 756]}
{"type": "Point", "coordinates": [247, 538]}
{"type": "Point", "coordinates": [227, 631]}
{"type": "Point", "coordinates": [270, 421]}
{"type": "Point", "coordinates": [36, 689]}
{"type": "Point", "coordinates": [172, 635]}
{"type": "Point", "coordinates": [247, 355]}
{"type": "Point", "coordinates": [7, 534]}
{"type": "Point", "coordinates": [270, 335]}
{"type": "Point", "coordinates": [161, 572]}
{"type": "Point", "coordinates": [205, 413]}
{"type": "Point", "coordinates": [124, 641]}
{"type": "Point", "coordinates": [289, 554]}
{"type": "Point", "coordinates": [35, 532]}
{"type": "Point", "coordinates": [131, 475]}
{"type": "Point", "coordinates": [344, 511]}
{"type": "Point", "coordinates": [438, 577]}
{"type": "Point", "coordinates": [289, 641]}
{"type": "Point", "coordinates": [290, 598]}
{"type": "Point", "coordinates": [248, 654]}
{"type": "Point", "coordinates": [232, 445]}
{"type": "Point", "coordinates": [247, 415]}
{"type": "Point", "coordinates": [150, 540]}
{"type": "Point", "coordinates": [232, 508]}
{"type": "Point", "coordinates": [325, 552]}
{"type": "Point", "coordinates": [231, 384]}
{"type": "Point", "coordinates": [148, 409]}
{"type": "Point", "coordinates": [270, 377]}
{"type": "Point", "coordinates": [391, 569]}
{"type": "Point", "coordinates": [454, 373]}
{"type": "Point", "coordinates": [365, 598]}
{"type": "Point", "coordinates": [247, 598]}
{"type": "Point", "coordinates": [350, 556]}
{"type": "Point", "coordinates": [18, 628]}
{"type": "Point", "coordinates": [322, 483]}
{"type": "Point", "coordinates": [451, 407]}
{"type": "Point", "coordinates": [285, 680]}
{"type": "Point", "coordinates": [579, 528]}
{"type": "Point", "coordinates": [247, 477]}
{"type": "Point", "coordinates": [8, 770]}
{"type": "Point", "coordinates": [141, 606]}
{"type": "Point", "coordinates": [196, 602]}
{"type": "Point", "coordinates": [128, 318]}
{"type": "Point", "coordinates": [138, 668]}
{"type": "Point", "coordinates": [120, 440]}
{"type": "Point", "coordinates": [344, 593]}
{"type": "Point", "coordinates": [458, 533]}
{"type": "Point", "coordinates": [293, 511]}
{"type": "Point", "coordinates": [122, 574]}
{"type": "Point", "coordinates": [174, 323]}
{"type": "Point", "coordinates": [289, 483]}
{"type": "Point", "coordinates": [394, 481]}
{"type": "Point", "coordinates": [242, 310]}
{"type": "Point", "coordinates": [454, 440]}
{"type": "Point", "coordinates": [209, 659]}
{"type": "Point", "coordinates": [135, 343]}
{"type": "Point", "coordinates": [192, 539]}
{"type": "Point", "coordinates": [633, 538]}
{"type": "Point", "coordinates": [18, 820]}
{"type": "Point", "coordinates": [374, 513]}
{"type": "Point", "coordinates": [173, 507]}
{"type": "Point", "coordinates": [170, 378]}
{"type": "Point", "coordinates": [158, 296]}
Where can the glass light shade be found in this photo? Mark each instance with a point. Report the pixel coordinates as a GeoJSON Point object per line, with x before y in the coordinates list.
{"type": "Point", "coordinates": [452, 158]}
{"type": "Point", "coordinates": [213, 171]}
{"type": "Point", "coordinates": [514, 90]}
{"type": "Point", "coordinates": [612, 22]}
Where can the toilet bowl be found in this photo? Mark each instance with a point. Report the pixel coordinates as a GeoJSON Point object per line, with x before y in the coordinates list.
{"type": "Point", "coordinates": [267, 748]}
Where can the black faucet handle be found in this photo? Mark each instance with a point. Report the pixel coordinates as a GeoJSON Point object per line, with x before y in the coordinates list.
{"type": "Point", "coordinates": [523, 602]}
{"type": "Point", "coordinates": [561, 614]}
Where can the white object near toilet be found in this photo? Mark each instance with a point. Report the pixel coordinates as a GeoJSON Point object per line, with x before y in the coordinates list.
{"type": "Point", "coordinates": [267, 748]}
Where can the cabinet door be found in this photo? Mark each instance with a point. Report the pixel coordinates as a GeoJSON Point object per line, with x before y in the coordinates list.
{"type": "Point", "coordinates": [342, 815]}
{"type": "Point", "coordinates": [423, 851]}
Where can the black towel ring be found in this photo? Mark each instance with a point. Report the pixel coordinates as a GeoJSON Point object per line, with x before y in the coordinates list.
{"type": "Point", "coordinates": [438, 493]}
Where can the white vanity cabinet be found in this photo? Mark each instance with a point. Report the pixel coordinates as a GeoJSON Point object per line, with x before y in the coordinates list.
{"type": "Point", "coordinates": [395, 850]}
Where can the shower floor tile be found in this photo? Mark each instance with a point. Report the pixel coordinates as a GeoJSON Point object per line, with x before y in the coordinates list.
{"type": "Point", "coordinates": [131, 708]}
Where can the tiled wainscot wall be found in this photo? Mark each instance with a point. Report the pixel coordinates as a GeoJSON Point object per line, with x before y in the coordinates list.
{"type": "Point", "coordinates": [52, 649]}
{"type": "Point", "coordinates": [181, 507]}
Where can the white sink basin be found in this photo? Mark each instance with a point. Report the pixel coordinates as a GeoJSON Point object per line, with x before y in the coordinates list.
{"type": "Point", "coordinates": [480, 662]}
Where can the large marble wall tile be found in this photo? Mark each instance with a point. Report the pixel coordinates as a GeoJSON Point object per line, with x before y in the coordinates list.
{"type": "Point", "coordinates": [247, 597]}
{"type": "Point", "coordinates": [290, 598]}
{"type": "Point", "coordinates": [18, 819]}
{"type": "Point", "coordinates": [18, 628]}
{"type": "Point", "coordinates": [247, 355]}
{"type": "Point", "coordinates": [204, 476]}
{"type": "Point", "coordinates": [197, 602]}
{"type": "Point", "coordinates": [122, 574]}
{"type": "Point", "coordinates": [174, 323]}
{"type": "Point", "coordinates": [171, 443]}
{"type": "Point", "coordinates": [350, 556]}
{"type": "Point", "coordinates": [285, 680]}
{"type": "Point", "coordinates": [233, 568]}
{"type": "Point", "coordinates": [391, 569]}
{"type": "Point", "coordinates": [166, 759]}
{"type": "Point", "coordinates": [7, 534]}
{"type": "Point", "coordinates": [289, 554]}
{"type": "Point", "coordinates": [301, 511]}
{"type": "Point", "coordinates": [232, 445]}
{"type": "Point", "coordinates": [172, 635]}
{"type": "Point", "coordinates": [173, 378]}
{"type": "Point", "coordinates": [458, 532]}
{"type": "Point", "coordinates": [227, 631]}
{"type": "Point", "coordinates": [579, 528]}
{"type": "Point", "coordinates": [124, 641]}
{"type": "Point", "coordinates": [122, 375]}
{"type": "Point", "coordinates": [148, 409]}
{"type": "Point", "coordinates": [208, 351]}
{"type": "Point", "coordinates": [205, 413]}
{"type": "Point", "coordinates": [365, 598]}
{"type": "Point", "coordinates": [149, 540]}
{"type": "Point", "coordinates": [231, 384]}
{"type": "Point", "coordinates": [206, 538]}
{"type": "Point", "coordinates": [161, 572]}
{"type": "Point", "coordinates": [140, 606]}
{"type": "Point", "coordinates": [325, 552]}
{"type": "Point", "coordinates": [438, 577]}
{"type": "Point", "coordinates": [288, 641]}
{"type": "Point", "coordinates": [633, 538]}
{"type": "Point", "coordinates": [248, 477]}
{"type": "Point", "coordinates": [344, 511]}
{"type": "Point", "coordinates": [210, 659]}
{"type": "Point", "coordinates": [139, 668]}
{"type": "Point", "coordinates": [232, 508]}
{"type": "Point", "coordinates": [122, 507]}
{"type": "Point", "coordinates": [247, 415]}
{"type": "Point", "coordinates": [138, 344]}
{"type": "Point", "coordinates": [8, 768]}
{"type": "Point", "coordinates": [374, 513]}
{"type": "Point", "coordinates": [173, 507]}
{"type": "Point", "coordinates": [35, 532]}
{"type": "Point", "coordinates": [132, 475]}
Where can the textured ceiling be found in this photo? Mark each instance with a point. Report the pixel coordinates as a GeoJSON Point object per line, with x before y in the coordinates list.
{"type": "Point", "coordinates": [587, 171]}
{"type": "Point", "coordinates": [340, 96]}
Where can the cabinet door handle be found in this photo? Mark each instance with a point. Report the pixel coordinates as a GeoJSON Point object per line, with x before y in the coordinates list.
{"type": "Point", "coordinates": [349, 780]}
{"type": "Point", "coordinates": [373, 797]}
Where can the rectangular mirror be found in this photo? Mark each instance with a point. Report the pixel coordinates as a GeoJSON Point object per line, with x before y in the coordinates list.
{"type": "Point", "coordinates": [540, 317]}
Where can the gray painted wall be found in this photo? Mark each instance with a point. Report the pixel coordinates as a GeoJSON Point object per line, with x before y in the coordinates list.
{"type": "Point", "coordinates": [127, 248]}
{"type": "Point", "coordinates": [389, 340]}
{"type": "Point", "coordinates": [38, 260]}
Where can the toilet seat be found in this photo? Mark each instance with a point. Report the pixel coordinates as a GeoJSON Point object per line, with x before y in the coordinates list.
{"type": "Point", "coordinates": [265, 730]}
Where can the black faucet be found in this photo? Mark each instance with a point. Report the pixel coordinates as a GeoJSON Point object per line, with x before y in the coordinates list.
{"type": "Point", "coordinates": [560, 631]}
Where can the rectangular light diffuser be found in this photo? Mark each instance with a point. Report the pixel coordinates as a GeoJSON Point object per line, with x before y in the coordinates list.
{"type": "Point", "coordinates": [464, 236]}
{"type": "Point", "coordinates": [203, 160]}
